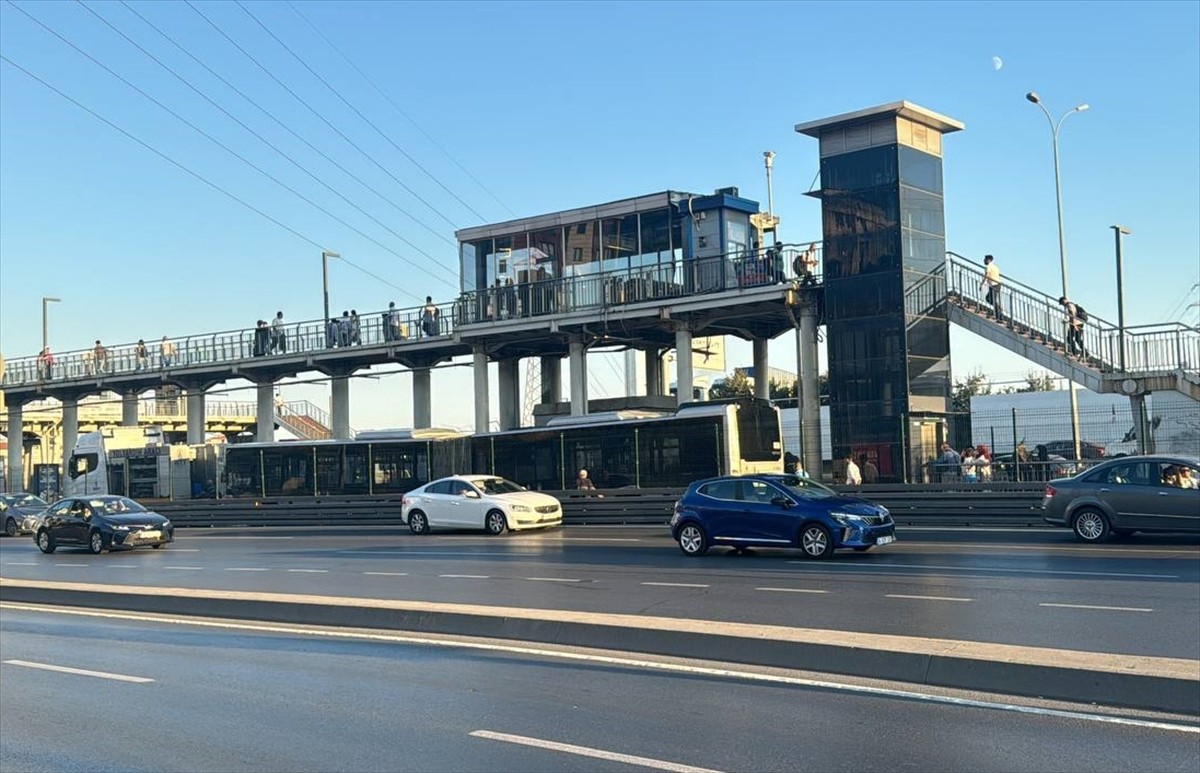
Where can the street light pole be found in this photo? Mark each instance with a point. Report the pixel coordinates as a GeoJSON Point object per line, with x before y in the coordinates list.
{"type": "Point", "coordinates": [46, 301]}
{"type": "Point", "coordinates": [325, 256]}
{"type": "Point", "coordinates": [1118, 231]}
{"type": "Point", "coordinates": [1062, 242]}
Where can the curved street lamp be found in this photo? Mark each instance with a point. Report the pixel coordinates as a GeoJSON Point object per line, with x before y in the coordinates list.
{"type": "Point", "coordinates": [1055, 127]}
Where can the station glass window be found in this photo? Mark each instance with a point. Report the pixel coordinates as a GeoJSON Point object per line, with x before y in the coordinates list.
{"type": "Point", "coordinates": [288, 471]}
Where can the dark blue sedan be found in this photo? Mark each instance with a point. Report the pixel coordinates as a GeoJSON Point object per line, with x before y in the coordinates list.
{"type": "Point", "coordinates": [783, 511]}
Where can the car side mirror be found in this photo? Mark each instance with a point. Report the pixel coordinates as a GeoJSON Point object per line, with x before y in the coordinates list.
{"type": "Point", "coordinates": [782, 502]}
{"type": "Point", "coordinates": [469, 494]}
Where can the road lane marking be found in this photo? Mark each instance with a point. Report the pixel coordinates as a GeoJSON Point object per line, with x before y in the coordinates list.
{"type": "Point", "coordinates": [675, 584]}
{"type": "Point", "coordinates": [20, 563]}
{"type": "Point", "coordinates": [1051, 546]}
{"type": "Point", "coordinates": [587, 751]}
{"type": "Point", "coordinates": [925, 598]}
{"type": "Point", "coordinates": [185, 568]}
{"type": "Point", "coordinates": [791, 590]}
{"type": "Point", "coordinates": [184, 550]}
{"type": "Point", "coordinates": [122, 566]}
{"type": "Point", "coordinates": [466, 576]}
{"type": "Point", "coordinates": [387, 574]}
{"type": "Point", "coordinates": [551, 579]}
{"type": "Point", "coordinates": [61, 564]}
{"type": "Point", "coordinates": [510, 553]}
{"type": "Point", "coordinates": [1089, 606]}
{"type": "Point", "coordinates": [923, 567]}
{"type": "Point", "coordinates": [601, 539]}
{"type": "Point", "coordinates": [214, 536]}
{"type": "Point", "coordinates": [246, 569]}
{"type": "Point", "coordinates": [608, 660]}
{"type": "Point", "coordinates": [80, 671]}
{"type": "Point", "coordinates": [310, 571]}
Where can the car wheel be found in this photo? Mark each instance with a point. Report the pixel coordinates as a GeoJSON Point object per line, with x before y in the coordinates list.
{"type": "Point", "coordinates": [10, 528]}
{"type": "Point", "coordinates": [692, 540]}
{"type": "Point", "coordinates": [96, 542]}
{"type": "Point", "coordinates": [495, 523]}
{"type": "Point", "coordinates": [1090, 525]}
{"type": "Point", "coordinates": [815, 541]}
{"type": "Point", "coordinates": [45, 542]}
{"type": "Point", "coordinates": [418, 523]}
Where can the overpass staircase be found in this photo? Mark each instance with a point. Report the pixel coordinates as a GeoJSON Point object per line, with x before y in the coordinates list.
{"type": "Point", "coordinates": [304, 420]}
{"type": "Point", "coordinates": [1135, 360]}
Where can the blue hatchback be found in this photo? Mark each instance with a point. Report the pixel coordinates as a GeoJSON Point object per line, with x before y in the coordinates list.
{"type": "Point", "coordinates": [783, 511]}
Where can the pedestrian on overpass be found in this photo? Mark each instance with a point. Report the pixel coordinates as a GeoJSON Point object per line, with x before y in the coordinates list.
{"type": "Point", "coordinates": [278, 337]}
{"type": "Point", "coordinates": [991, 283]}
{"type": "Point", "coordinates": [1076, 316]}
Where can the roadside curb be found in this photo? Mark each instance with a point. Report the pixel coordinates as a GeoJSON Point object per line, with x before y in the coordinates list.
{"type": "Point", "coordinates": [1161, 684]}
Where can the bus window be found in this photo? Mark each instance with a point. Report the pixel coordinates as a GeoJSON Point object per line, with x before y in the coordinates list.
{"type": "Point", "coordinates": [758, 432]}
{"type": "Point", "coordinates": [288, 471]}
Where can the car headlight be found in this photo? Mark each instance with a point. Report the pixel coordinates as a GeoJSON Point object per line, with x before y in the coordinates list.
{"type": "Point", "coordinates": [166, 525]}
{"type": "Point", "coordinates": [120, 528]}
{"type": "Point", "coordinates": [519, 508]}
{"type": "Point", "coordinates": [884, 511]}
{"type": "Point", "coordinates": [849, 519]}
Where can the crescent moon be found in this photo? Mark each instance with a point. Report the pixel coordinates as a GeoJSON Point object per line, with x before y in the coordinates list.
{"type": "Point", "coordinates": [997, 62]}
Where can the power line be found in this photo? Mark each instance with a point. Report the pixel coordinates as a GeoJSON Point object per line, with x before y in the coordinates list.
{"type": "Point", "coordinates": [368, 121]}
{"type": "Point", "coordinates": [223, 146]}
{"type": "Point", "coordinates": [263, 139]}
{"type": "Point", "coordinates": [398, 109]}
{"type": "Point", "coordinates": [321, 117]}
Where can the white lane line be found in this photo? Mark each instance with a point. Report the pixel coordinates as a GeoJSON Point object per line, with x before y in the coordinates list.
{"type": "Point", "coordinates": [466, 576]}
{"type": "Point", "coordinates": [310, 571]}
{"type": "Point", "coordinates": [20, 563]}
{"type": "Point", "coordinates": [609, 660]}
{"type": "Point", "coordinates": [1089, 606]}
{"type": "Point", "coordinates": [791, 590]}
{"type": "Point", "coordinates": [387, 574]}
{"type": "Point", "coordinates": [185, 568]}
{"type": "Point", "coordinates": [551, 579]}
{"type": "Point", "coordinates": [122, 566]}
{"type": "Point", "coordinates": [61, 564]}
{"type": "Point", "coordinates": [923, 567]}
{"type": "Point", "coordinates": [246, 569]}
{"type": "Point", "coordinates": [510, 553]}
{"type": "Point", "coordinates": [925, 598]}
{"type": "Point", "coordinates": [1051, 546]}
{"type": "Point", "coordinates": [80, 671]}
{"type": "Point", "coordinates": [601, 539]}
{"type": "Point", "coordinates": [587, 751]}
{"type": "Point", "coordinates": [194, 536]}
{"type": "Point", "coordinates": [675, 584]}
{"type": "Point", "coordinates": [174, 549]}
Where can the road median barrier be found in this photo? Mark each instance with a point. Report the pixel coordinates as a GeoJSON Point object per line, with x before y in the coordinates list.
{"type": "Point", "coordinates": [1155, 683]}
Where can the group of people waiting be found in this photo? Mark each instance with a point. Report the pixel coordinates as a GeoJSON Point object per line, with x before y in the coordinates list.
{"type": "Point", "coordinates": [96, 361]}
{"type": "Point", "coordinates": [973, 465]}
{"type": "Point", "coordinates": [270, 337]}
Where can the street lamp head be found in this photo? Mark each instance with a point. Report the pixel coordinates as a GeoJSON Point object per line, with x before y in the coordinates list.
{"type": "Point", "coordinates": [1121, 229]}
{"type": "Point", "coordinates": [1033, 97]}
{"type": "Point", "coordinates": [1082, 107]}
{"type": "Point", "coordinates": [327, 254]}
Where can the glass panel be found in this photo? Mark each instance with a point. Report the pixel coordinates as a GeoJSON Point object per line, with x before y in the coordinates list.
{"type": "Point", "coordinates": [397, 468]}
{"type": "Point", "coordinates": [582, 249]}
{"type": "Point", "coordinates": [288, 471]}
{"type": "Point", "coordinates": [243, 473]}
{"type": "Point", "coordinates": [656, 238]}
{"type": "Point", "coordinates": [546, 249]}
{"type": "Point", "coordinates": [466, 261]}
{"type": "Point", "coordinates": [920, 170]}
{"type": "Point", "coordinates": [922, 211]}
{"type": "Point", "coordinates": [862, 233]}
{"type": "Point", "coordinates": [480, 251]}
{"type": "Point", "coordinates": [619, 235]}
{"type": "Point", "coordinates": [859, 171]}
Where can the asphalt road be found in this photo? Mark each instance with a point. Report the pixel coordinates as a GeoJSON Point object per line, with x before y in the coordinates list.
{"type": "Point", "coordinates": [1028, 587]}
{"type": "Point", "coordinates": [156, 696]}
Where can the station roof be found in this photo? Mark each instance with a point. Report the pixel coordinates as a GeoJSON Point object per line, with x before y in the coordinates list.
{"type": "Point", "coordinates": [901, 109]}
{"type": "Point", "coordinates": [618, 208]}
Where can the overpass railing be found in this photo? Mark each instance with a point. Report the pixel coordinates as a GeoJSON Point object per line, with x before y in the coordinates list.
{"type": "Point", "coordinates": [745, 269]}
{"type": "Point", "coordinates": [1166, 347]}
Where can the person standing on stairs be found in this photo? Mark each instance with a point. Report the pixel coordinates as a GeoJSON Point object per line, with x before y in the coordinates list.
{"type": "Point", "coordinates": [1076, 316]}
{"type": "Point", "coordinates": [991, 282]}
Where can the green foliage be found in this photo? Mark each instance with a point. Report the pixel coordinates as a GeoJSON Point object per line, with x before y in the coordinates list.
{"type": "Point", "coordinates": [965, 389]}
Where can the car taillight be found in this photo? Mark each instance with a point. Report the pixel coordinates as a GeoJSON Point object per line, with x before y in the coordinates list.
{"type": "Point", "coordinates": [1050, 491]}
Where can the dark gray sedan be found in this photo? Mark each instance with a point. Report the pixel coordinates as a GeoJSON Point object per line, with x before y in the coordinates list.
{"type": "Point", "coordinates": [1121, 496]}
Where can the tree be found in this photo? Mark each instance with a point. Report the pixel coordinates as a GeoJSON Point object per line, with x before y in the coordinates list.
{"type": "Point", "coordinates": [1038, 382]}
{"type": "Point", "coordinates": [964, 390]}
{"type": "Point", "coordinates": [779, 390]}
{"type": "Point", "coordinates": [736, 385]}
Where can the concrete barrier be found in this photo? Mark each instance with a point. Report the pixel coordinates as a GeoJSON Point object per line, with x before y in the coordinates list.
{"type": "Point", "coordinates": [1161, 684]}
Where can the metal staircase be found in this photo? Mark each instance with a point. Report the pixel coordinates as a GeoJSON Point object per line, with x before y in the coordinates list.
{"type": "Point", "coordinates": [1145, 358]}
{"type": "Point", "coordinates": [304, 420]}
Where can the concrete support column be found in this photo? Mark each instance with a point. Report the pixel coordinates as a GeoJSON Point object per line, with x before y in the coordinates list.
{"type": "Point", "coordinates": [16, 447]}
{"type": "Point", "coordinates": [762, 383]}
{"type": "Point", "coordinates": [70, 429]}
{"type": "Point", "coordinates": [683, 366]}
{"type": "Point", "coordinates": [479, 370]}
{"type": "Point", "coordinates": [1141, 420]}
{"type": "Point", "coordinates": [422, 398]}
{"type": "Point", "coordinates": [339, 397]}
{"type": "Point", "coordinates": [654, 373]}
{"type": "Point", "coordinates": [809, 403]}
{"type": "Point", "coordinates": [509, 381]}
{"type": "Point", "coordinates": [579, 396]}
{"type": "Point", "coordinates": [552, 379]}
{"type": "Point", "coordinates": [197, 422]}
{"type": "Point", "coordinates": [265, 391]}
{"type": "Point", "coordinates": [129, 409]}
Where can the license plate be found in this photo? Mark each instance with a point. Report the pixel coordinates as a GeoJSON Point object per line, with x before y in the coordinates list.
{"type": "Point", "coordinates": [884, 540]}
{"type": "Point", "coordinates": [149, 535]}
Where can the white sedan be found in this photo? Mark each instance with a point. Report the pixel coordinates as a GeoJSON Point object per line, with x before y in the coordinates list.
{"type": "Point", "coordinates": [478, 502]}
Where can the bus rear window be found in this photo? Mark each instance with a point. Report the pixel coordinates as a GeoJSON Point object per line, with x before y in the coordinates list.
{"type": "Point", "coordinates": [758, 431]}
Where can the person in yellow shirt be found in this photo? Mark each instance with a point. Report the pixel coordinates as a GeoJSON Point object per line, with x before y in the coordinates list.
{"type": "Point", "coordinates": [991, 283]}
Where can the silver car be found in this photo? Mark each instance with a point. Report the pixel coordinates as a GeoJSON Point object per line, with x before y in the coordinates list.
{"type": "Point", "coordinates": [1128, 494]}
{"type": "Point", "coordinates": [20, 513]}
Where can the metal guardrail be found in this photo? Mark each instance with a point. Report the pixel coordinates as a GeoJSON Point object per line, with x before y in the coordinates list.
{"type": "Point", "coordinates": [549, 296]}
{"type": "Point", "coordinates": [1001, 504]}
{"type": "Point", "coordinates": [1167, 347]}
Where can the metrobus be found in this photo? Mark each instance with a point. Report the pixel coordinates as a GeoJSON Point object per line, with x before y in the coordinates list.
{"type": "Point", "coordinates": [619, 449]}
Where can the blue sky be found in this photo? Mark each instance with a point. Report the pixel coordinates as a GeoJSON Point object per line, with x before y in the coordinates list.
{"type": "Point", "coordinates": [535, 107]}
